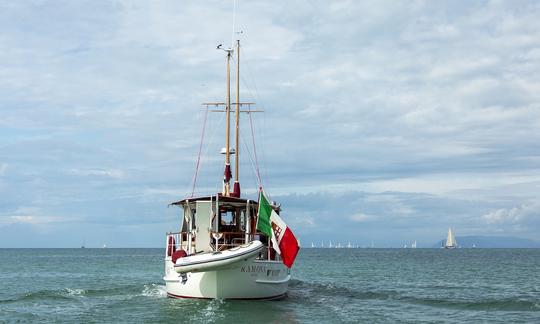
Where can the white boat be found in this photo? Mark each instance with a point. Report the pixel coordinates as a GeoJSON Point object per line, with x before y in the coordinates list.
{"type": "Point", "coordinates": [450, 240]}
{"type": "Point", "coordinates": [219, 251]}
{"type": "Point", "coordinates": [413, 245]}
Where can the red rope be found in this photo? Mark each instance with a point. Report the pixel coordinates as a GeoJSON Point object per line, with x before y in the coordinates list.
{"type": "Point", "coordinates": [199, 155]}
{"type": "Point", "coordinates": [255, 151]}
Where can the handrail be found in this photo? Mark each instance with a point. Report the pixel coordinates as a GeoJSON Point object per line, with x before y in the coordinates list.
{"type": "Point", "coordinates": [226, 240]}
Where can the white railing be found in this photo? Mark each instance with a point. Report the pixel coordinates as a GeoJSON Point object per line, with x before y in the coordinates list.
{"type": "Point", "coordinates": [225, 240]}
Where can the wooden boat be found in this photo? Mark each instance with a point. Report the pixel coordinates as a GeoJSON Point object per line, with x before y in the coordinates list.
{"type": "Point", "coordinates": [219, 251]}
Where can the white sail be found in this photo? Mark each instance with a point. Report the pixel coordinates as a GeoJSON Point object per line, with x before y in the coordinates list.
{"type": "Point", "coordinates": [450, 240]}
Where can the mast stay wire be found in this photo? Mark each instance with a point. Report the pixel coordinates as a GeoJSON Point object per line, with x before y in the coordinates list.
{"type": "Point", "coordinates": [256, 180]}
{"type": "Point", "coordinates": [216, 129]}
{"type": "Point", "coordinates": [200, 150]}
{"type": "Point", "coordinates": [246, 84]}
{"type": "Point", "coordinates": [255, 94]}
{"type": "Point", "coordinates": [261, 168]}
{"type": "Point", "coordinates": [210, 140]}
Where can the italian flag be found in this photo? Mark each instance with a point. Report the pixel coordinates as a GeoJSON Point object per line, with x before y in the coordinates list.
{"type": "Point", "coordinates": [273, 226]}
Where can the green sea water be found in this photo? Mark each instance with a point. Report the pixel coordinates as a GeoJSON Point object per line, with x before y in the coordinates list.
{"type": "Point", "coordinates": [328, 286]}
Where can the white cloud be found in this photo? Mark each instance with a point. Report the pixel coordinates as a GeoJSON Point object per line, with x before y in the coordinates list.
{"type": "Point", "coordinates": [519, 215]}
{"type": "Point", "coordinates": [503, 215]}
{"type": "Point", "coordinates": [415, 98]}
{"type": "Point", "coordinates": [361, 218]}
{"type": "Point", "coordinates": [31, 219]}
{"type": "Point", "coordinates": [111, 173]}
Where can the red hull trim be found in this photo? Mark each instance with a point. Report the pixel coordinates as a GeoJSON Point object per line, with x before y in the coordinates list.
{"type": "Point", "coordinates": [257, 298]}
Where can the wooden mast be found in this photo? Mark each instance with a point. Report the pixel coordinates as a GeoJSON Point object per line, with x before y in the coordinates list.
{"type": "Point", "coordinates": [227, 174]}
{"type": "Point", "coordinates": [236, 188]}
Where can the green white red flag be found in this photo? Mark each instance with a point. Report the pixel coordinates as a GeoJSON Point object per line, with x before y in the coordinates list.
{"type": "Point", "coordinates": [274, 227]}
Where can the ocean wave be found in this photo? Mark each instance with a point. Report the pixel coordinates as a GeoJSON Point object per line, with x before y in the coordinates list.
{"type": "Point", "coordinates": [60, 294]}
{"type": "Point", "coordinates": [67, 294]}
{"type": "Point", "coordinates": [75, 291]}
{"type": "Point", "coordinates": [315, 291]}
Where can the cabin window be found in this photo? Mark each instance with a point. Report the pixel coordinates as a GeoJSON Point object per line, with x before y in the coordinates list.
{"type": "Point", "coordinates": [193, 223]}
{"type": "Point", "coordinates": [227, 218]}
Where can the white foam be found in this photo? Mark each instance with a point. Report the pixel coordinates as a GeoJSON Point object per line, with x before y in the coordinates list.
{"type": "Point", "coordinates": [153, 290]}
{"type": "Point", "coordinates": [75, 291]}
{"type": "Point", "coordinates": [212, 309]}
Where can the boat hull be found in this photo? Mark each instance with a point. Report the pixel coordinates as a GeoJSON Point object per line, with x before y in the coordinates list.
{"type": "Point", "coordinates": [251, 279]}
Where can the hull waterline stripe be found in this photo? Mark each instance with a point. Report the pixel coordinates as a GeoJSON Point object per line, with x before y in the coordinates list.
{"type": "Point", "coordinates": [273, 281]}
{"type": "Point", "coordinates": [247, 298]}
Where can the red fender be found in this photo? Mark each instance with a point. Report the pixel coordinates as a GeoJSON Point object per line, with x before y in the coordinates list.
{"type": "Point", "coordinates": [171, 246]}
{"type": "Point", "coordinates": [177, 255]}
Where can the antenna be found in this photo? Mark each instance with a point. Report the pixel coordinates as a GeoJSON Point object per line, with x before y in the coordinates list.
{"type": "Point", "coordinates": [233, 23]}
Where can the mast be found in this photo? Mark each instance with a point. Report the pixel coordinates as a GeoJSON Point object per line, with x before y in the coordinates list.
{"type": "Point", "coordinates": [236, 188]}
{"type": "Point", "coordinates": [227, 175]}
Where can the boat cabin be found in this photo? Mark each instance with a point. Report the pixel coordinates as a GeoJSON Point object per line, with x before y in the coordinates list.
{"type": "Point", "coordinates": [217, 223]}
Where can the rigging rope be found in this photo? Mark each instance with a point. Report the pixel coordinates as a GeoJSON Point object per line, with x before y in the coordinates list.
{"type": "Point", "coordinates": [252, 164]}
{"type": "Point", "coordinates": [255, 151]}
{"type": "Point", "coordinates": [246, 84]}
{"type": "Point", "coordinates": [199, 155]}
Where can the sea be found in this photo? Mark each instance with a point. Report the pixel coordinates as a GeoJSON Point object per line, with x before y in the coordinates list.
{"type": "Point", "coordinates": [328, 286]}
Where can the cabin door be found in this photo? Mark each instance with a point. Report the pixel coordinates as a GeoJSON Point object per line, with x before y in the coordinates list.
{"type": "Point", "coordinates": [203, 223]}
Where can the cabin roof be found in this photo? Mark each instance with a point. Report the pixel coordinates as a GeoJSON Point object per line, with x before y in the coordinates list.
{"type": "Point", "coordinates": [213, 198]}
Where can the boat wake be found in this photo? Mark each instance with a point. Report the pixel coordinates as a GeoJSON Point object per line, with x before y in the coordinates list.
{"type": "Point", "coordinates": [154, 290]}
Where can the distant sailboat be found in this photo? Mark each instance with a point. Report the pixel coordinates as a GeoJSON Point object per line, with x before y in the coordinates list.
{"type": "Point", "coordinates": [312, 245]}
{"type": "Point", "coordinates": [450, 240]}
{"type": "Point", "coordinates": [83, 244]}
{"type": "Point", "coordinates": [413, 245]}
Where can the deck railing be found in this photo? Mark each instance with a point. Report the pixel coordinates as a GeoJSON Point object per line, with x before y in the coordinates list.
{"type": "Point", "coordinates": [225, 240]}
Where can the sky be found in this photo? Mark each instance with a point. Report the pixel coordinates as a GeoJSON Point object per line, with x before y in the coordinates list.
{"type": "Point", "coordinates": [384, 121]}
